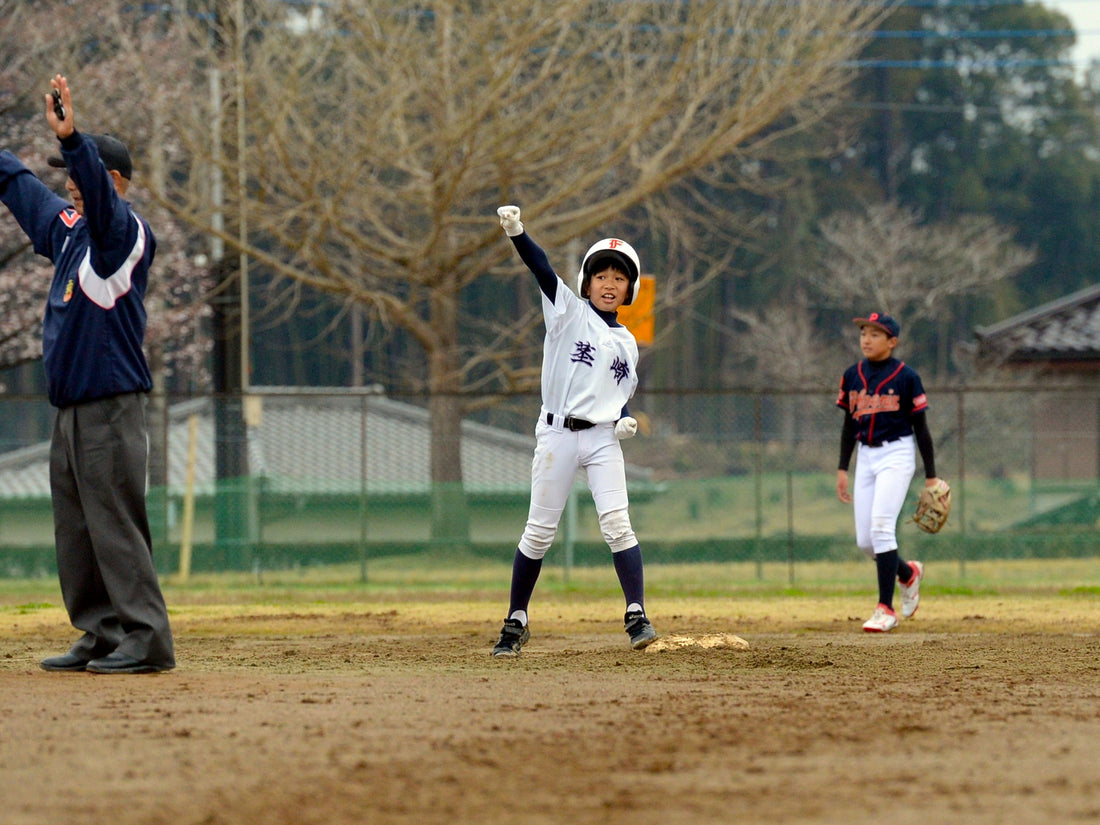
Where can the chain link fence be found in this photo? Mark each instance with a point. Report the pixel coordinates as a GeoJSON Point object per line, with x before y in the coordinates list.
{"type": "Point", "coordinates": [289, 477]}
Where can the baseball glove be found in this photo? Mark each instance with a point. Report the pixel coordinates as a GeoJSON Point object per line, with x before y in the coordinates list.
{"type": "Point", "coordinates": [933, 507]}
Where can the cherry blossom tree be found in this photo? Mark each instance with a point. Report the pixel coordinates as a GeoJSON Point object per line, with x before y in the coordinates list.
{"type": "Point", "coordinates": [42, 38]}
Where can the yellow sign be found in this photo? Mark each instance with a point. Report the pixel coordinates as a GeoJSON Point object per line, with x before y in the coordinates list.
{"type": "Point", "coordinates": [638, 316]}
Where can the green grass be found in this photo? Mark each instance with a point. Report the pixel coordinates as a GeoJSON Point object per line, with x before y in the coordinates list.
{"type": "Point", "coordinates": [432, 578]}
{"type": "Point", "coordinates": [806, 503]}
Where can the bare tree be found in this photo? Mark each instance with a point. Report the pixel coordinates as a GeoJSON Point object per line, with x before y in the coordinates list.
{"type": "Point", "coordinates": [784, 346]}
{"type": "Point", "coordinates": [365, 148]}
{"type": "Point", "coordinates": [890, 257]}
{"type": "Point", "coordinates": [886, 258]}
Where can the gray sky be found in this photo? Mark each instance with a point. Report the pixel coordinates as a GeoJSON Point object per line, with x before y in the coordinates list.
{"type": "Point", "coordinates": [1085, 15]}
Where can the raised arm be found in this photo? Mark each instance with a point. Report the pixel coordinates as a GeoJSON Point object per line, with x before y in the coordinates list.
{"type": "Point", "coordinates": [529, 252]}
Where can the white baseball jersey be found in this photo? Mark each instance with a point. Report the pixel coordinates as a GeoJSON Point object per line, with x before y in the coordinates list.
{"type": "Point", "coordinates": [589, 370]}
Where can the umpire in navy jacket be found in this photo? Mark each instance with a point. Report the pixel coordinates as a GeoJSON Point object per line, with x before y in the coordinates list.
{"type": "Point", "coordinates": [97, 378]}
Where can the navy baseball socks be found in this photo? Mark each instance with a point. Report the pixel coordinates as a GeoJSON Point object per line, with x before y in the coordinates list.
{"type": "Point", "coordinates": [515, 633]}
{"type": "Point", "coordinates": [525, 573]}
{"type": "Point", "coordinates": [886, 566]}
{"type": "Point", "coordinates": [628, 567]}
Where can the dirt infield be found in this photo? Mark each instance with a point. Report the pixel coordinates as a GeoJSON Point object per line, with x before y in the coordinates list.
{"type": "Point", "coordinates": [981, 710]}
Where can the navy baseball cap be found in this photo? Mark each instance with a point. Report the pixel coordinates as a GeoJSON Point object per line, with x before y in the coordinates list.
{"type": "Point", "coordinates": [880, 320]}
{"type": "Point", "coordinates": [112, 152]}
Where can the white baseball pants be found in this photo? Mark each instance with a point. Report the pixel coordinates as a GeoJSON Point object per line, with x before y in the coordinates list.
{"type": "Point", "coordinates": [882, 482]}
{"type": "Point", "coordinates": [558, 455]}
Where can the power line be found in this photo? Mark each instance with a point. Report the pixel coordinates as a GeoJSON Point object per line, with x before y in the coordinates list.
{"type": "Point", "coordinates": [974, 34]}
{"type": "Point", "coordinates": [973, 63]}
{"type": "Point", "coordinates": [950, 108]}
{"type": "Point", "coordinates": [961, 62]}
{"type": "Point", "coordinates": [976, 5]}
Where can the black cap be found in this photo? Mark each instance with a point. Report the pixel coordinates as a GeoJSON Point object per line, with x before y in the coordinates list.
{"type": "Point", "coordinates": [112, 152]}
{"type": "Point", "coordinates": [880, 320]}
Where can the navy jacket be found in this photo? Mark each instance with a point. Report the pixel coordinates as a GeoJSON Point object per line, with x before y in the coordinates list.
{"type": "Point", "coordinates": [94, 325]}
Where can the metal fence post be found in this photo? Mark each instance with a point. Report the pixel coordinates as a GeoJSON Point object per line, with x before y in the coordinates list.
{"type": "Point", "coordinates": [790, 527]}
{"type": "Point", "coordinates": [961, 498]}
{"type": "Point", "coordinates": [758, 482]}
{"type": "Point", "coordinates": [363, 489]}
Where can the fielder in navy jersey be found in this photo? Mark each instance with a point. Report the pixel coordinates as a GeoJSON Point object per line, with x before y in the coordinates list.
{"type": "Point", "coordinates": [97, 378]}
{"type": "Point", "coordinates": [884, 417]}
{"type": "Point", "coordinates": [589, 372]}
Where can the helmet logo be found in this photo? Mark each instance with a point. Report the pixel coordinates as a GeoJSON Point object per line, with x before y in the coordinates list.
{"type": "Point", "coordinates": [614, 243]}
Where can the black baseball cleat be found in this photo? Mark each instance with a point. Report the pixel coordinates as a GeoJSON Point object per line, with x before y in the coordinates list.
{"type": "Point", "coordinates": [639, 630]}
{"type": "Point", "coordinates": [513, 636]}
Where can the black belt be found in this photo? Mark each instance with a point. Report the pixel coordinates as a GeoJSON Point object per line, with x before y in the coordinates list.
{"type": "Point", "coordinates": [573, 424]}
{"type": "Point", "coordinates": [880, 443]}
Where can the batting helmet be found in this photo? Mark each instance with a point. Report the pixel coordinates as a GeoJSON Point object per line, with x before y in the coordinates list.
{"type": "Point", "coordinates": [605, 251]}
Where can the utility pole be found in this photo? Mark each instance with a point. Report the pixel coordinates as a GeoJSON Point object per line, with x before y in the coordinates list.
{"type": "Point", "coordinates": [242, 199]}
{"type": "Point", "coordinates": [233, 519]}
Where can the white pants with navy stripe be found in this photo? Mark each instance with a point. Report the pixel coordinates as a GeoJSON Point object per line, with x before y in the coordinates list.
{"type": "Point", "coordinates": [882, 482]}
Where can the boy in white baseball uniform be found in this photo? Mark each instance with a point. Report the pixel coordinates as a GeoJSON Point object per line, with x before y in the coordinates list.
{"type": "Point", "coordinates": [589, 372]}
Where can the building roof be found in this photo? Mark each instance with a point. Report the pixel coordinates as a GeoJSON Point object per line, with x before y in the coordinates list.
{"type": "Point", "coordinates": [309, 442]}
{"type": "Point", "coordinates": [1067, 329]}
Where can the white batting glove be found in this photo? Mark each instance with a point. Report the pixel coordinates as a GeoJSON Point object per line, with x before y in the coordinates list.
{"type": "Point", "coordinates": [626, 428]}
{"type": "Point", "coordinates": [509, 219]}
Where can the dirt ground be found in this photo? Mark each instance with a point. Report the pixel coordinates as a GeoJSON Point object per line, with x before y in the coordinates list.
{"type": "Point", "coordinates": [387, 713]}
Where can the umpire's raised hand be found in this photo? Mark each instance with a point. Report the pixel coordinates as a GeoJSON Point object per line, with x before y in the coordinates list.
{"type": "Point", "coordinates": [62, 127]}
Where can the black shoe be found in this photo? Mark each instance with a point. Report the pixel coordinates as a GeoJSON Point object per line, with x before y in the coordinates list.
{"type": "Point", "coordinates": [513, 636]}
{"type": "Point", "coordinates": [121, 663]}
{"type": "Point", "coordinates": [65, 662]}
{"type": "Point", "coordinates": [639, 630]}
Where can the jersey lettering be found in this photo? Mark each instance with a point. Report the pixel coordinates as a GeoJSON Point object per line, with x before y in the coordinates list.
{"type": "Point", "coordinates": [861, 403]}
{"type": "Point", "coordinates": [620, 369]}
{"type": "Point", "coordinates": [583, 353]}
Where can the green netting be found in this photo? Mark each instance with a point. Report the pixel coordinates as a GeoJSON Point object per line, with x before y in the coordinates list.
{"type": "Point", "coordinates": [745, 477]}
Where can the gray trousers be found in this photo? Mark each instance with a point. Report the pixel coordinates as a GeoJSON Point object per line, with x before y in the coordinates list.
{"type": "Point", "coordinates": [98, 462]}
